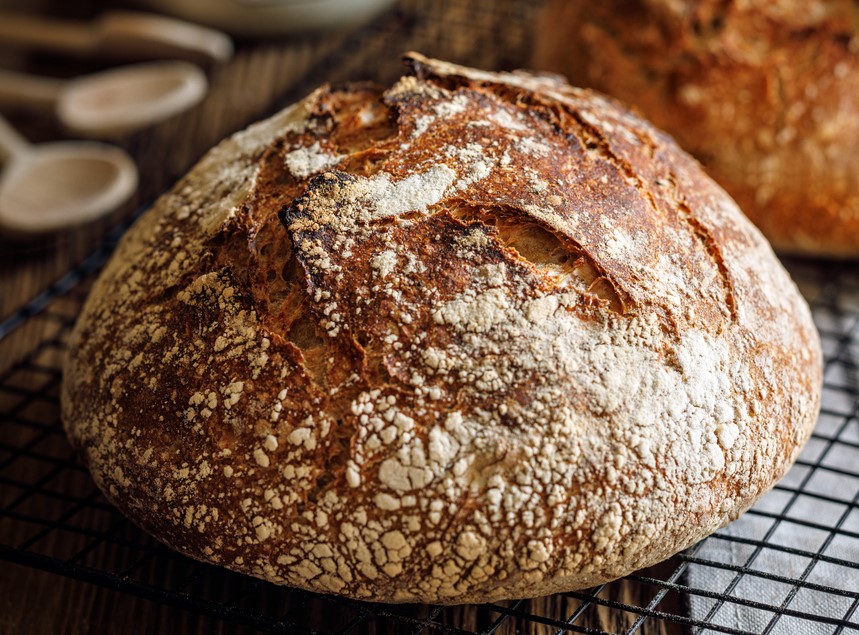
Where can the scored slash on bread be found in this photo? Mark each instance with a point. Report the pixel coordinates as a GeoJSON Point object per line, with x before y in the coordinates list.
{"type": "Point", "coordinates": [474, 336]}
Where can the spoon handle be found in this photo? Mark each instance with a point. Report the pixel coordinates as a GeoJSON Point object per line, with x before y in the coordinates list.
{"type": "Point", "coordinates": [12, 144]}
{"type": "Point", "coordinates": [17, 29]}
{"type": "Point", "coordinates": [19, 90]}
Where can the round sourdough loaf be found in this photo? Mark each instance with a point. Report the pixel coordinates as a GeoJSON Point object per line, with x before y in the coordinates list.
{"type": "Point", "coordinates": [476, 336]}
{"type": "Point", "coordinates": [764, 92]}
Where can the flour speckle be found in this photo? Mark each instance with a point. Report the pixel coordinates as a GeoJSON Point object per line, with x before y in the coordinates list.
{"type": "Point", "coordinates": [305, 162]}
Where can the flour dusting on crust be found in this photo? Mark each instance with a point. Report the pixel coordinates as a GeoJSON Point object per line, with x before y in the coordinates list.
{"type": "Point", "coordinates": [477, 336]}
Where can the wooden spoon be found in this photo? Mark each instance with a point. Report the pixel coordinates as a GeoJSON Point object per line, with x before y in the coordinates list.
{"type": "Point", "coordinates": [49, 187]}
{"type": "Point", "coordinates": [109, 103]}
{"type": "Point", "coordinates": [127, 35]}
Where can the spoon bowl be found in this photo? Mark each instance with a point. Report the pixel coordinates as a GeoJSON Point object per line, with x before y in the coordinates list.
{"type": "Point", "coordinates": [49, 187]}
{"type": "Point", "coordinates": [129, 98]}
{"type": "Point", "coordinates": [109, 103]}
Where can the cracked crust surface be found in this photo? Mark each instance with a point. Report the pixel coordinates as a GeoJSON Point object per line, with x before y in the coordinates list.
{"type": "Point", "coordinates": [765, 93]}
{"type": "Point", "coordinates": [474, 336]}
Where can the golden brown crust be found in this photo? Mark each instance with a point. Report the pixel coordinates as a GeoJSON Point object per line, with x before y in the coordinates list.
{"type": "Point", "coordinates": [508, 340]}
{"type": "Point", "coordinates": [764, 93]}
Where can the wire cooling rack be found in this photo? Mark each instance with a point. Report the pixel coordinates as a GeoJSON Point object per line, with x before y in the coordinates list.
{"type": "Point", "coordinates": [52, 517]}
{"type": "Point", "coordinates": [790, 565]}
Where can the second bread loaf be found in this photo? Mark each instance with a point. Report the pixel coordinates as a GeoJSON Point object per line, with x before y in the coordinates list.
{"type": "Point", "coordinates": [765, 93]}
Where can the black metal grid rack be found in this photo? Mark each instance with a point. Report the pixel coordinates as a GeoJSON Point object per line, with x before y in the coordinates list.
{"type": "Point", "coordinates": [790, 565]}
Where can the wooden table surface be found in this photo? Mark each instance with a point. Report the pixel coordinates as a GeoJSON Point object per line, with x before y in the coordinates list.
{"type": "Point", "coordinates": [262, 76]}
